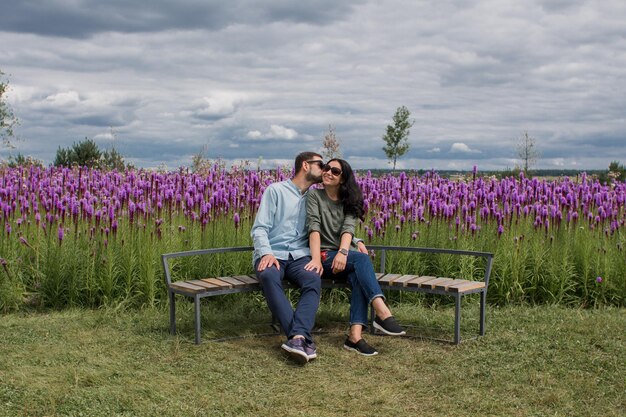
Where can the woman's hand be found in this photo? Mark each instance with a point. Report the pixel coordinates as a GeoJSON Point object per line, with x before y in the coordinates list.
{"type": "Point", "coordinates": [339, 263]}
{"type": "Point", "coordinates": [361, 247]}
{"type": "Point", "coordinates": [314, 266]}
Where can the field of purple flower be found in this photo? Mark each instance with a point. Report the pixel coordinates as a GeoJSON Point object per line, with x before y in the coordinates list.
{"type": "Point", "coordinates": [87, 237]}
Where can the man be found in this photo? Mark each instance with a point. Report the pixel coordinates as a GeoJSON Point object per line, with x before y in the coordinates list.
{"type": "Point", "coordinates": [281, 250]}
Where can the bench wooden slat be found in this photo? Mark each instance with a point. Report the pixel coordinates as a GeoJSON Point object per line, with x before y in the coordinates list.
{"type": "Point", "coordinates": [445, 285]}
{"type": "Point", "coordinates": [468, 286]}
{"type": "Point", "coordinates": [403, 280]}
{"type": "Point", "coordinates": [431, 284]}
{"type": "Point", "coordinates": [233, 281]}
{"type": "Point", "coordinates": [217, 282]}
{"type": "Point", "coordinates": [379, 275]}
{"type": "Point", "coordinates": [203, 284]}
{"type": "Point", "coordinates": [388, 278]}
{"type": "Point", "coordinates": [416, 282]}
{"type": "Point", "coordinates": [185, 286]}
{"type": "Point", "coordinates": [247, 279]}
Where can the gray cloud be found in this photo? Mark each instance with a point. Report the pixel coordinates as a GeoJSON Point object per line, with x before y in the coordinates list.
{"type": "Point", "coordinates": [83, 18]}
{"type": "Point", "coordinates": [250, 80]}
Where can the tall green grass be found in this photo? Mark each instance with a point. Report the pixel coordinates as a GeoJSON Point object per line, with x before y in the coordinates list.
{"type": "Point", "coordinates": [94, 266]}
{"type": "Point", "coordinates": [572, 265]}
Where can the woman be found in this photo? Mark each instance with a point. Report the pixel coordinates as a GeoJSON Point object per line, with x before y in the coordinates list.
{"type": "Point", "coordinates": [332, 213]}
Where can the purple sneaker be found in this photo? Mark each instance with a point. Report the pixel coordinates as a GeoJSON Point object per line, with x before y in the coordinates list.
{"type": "Point", "coordinates": [311, 350]}
{"type": "Point", "coordinates": [296, 349]}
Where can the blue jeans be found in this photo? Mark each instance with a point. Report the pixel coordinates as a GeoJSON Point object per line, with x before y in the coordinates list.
{"type": "Point", "coordinates": [359, 273]}
{"type": "Point", "coordinates": [302, 320]}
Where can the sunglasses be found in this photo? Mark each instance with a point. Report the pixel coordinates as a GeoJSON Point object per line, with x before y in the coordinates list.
{"type": "Point", "coordinates": [319, 162]}
{"type": "Point", "coordinates": [333, 170]}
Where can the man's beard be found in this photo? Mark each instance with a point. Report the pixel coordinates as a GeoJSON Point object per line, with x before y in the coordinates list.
{"type": "Point", "coordinates": [312, 178]}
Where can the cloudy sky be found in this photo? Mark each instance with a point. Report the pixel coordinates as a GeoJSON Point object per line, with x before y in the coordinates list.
{"type": "Point", "coordinates": [262, 80]}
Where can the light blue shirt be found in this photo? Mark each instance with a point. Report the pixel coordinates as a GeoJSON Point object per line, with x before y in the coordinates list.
{"type": "Point", "coordinates": [279, 226]}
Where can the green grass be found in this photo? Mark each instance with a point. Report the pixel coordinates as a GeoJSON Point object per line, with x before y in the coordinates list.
{"type": "Point", "coordinates": [545, 360]}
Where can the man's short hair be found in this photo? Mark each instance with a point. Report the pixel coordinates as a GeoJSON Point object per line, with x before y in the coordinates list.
{"type": "Point", "coordinates": [304, 156]}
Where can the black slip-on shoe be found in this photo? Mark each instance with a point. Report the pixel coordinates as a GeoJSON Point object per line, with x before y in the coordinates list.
{"type": "Point", "coordinates": [389, 326]}
{"type": "Point", "coordinates": [361, 347]}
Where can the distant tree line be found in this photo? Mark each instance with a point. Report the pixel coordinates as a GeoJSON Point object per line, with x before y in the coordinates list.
{"type": "Point", "coordinates": [616, 172]}
{"type": "Point", "coordinates": [87, 153]}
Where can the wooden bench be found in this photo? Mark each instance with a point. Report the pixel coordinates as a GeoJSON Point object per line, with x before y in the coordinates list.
{"type": "Point", "coordinates": [214, 286]}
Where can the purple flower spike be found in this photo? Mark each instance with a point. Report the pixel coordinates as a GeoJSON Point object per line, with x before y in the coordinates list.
{"type": "Point", "coordinates": [598, 279]}
{"type": "Point", "coordinates": [24, 242]}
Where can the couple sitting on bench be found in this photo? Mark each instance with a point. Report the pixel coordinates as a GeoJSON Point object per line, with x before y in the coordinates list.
{"type": "Point", "coordinates": [300, 235]}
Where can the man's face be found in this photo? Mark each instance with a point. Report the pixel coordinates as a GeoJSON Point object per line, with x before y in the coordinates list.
{"type": "Point", "coordinates": [314, 173]}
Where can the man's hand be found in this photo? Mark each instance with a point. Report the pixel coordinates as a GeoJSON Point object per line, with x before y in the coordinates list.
{"type": "Point", "coordinates": [339, 263]}
{"type": "Point", "coordinates": [314, 266]}
{"type": "Point", "coordinates": [361, 247]}
{"type": "Point", "coordinates": [267, 261]}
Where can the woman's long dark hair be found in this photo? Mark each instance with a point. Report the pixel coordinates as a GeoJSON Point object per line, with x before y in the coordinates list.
{"type": "Point", "coordinates": [349, 191]}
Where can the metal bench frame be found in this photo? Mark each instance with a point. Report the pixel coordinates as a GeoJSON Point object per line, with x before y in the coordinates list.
{"type": "Point", "coordinates": [381, 251]}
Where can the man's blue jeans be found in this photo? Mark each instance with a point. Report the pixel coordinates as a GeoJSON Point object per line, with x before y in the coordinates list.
{"type": "Point", "coordinates": [360, 275]}
{"type": "Point", "coordinates": [302, 320]}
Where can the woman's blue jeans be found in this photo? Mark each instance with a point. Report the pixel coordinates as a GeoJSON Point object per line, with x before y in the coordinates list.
{"type": "Point", "coordinates": [359, 273]}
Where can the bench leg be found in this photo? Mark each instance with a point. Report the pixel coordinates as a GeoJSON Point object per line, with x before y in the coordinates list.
{"type": "Point", "coordinates": [172, 298]}
{"type": "Point", "coordinates": [483, 301]}
{"type": "Point", "coordinates": [457, 320]}
{"type": "Point", "coordinates": [275, 325]}
{"type": "Point", "coordinates": [196, 302]}
{"type": "Point", "coordinates": [372, 316]}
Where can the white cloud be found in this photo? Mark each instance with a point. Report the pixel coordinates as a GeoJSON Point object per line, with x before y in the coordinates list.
{"type": "Point", "coordinates": [434, 150]}
{"type": "Point", "coordinates": [282, 132]}
{"type": "Point", "coordinates": [64, 99]}
{"type": "Point", "coordinates": [217, 105]}
{"type": "Point", "coordinates": [459, 147]}
{"type": "Point", "coordinates": [274, 132]}
{"type": "Point", "coordinates": [105, 136]}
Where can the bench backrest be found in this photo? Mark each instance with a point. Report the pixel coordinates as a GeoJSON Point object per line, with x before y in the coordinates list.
{"type": "Point", "coordinates": [382, 248]}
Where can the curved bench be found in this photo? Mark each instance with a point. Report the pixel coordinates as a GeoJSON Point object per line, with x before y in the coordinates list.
{"type": "Point", "coordinates": [213, 286]}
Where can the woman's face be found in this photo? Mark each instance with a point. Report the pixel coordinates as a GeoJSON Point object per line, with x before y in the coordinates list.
{"type": "Point", "coordinates": [330, 178]}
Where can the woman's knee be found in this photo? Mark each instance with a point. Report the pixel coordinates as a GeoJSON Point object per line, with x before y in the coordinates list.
{"type": "Point", "coordinates": [359, 257]}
